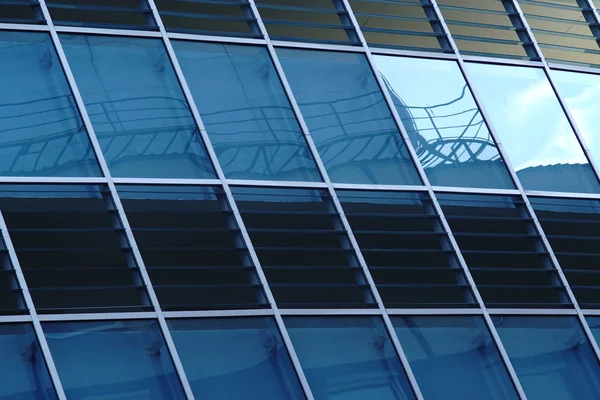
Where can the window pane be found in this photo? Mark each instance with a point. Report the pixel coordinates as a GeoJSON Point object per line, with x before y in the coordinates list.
{"type": "Point", "coordinates": [488, 28]}
{"type": "Point", "coordinates": [42, 133]}
{"type": "Point", "coordinates": [23, 372]}
{"type": "Point", "coordinates": [304, 252]}
{"type": "Point", "coordinates": [408, 253]}
{"type": "Point", "coordinates": [246, 112]}
{"type": "Point", "coordinates": [573, 228]}
{"type": "Point", "coordinates": [503, 251]}
{"type": "Point", "coordinates": [21, 12]}
{"type": "Point", "coordinates": [209, 17]}
{"type": "Point", "coordinates": [136, 105]}
{"type": "Point", "coordinates": [321, 21]}
{"type": "Point", "coordinates": [118, 14]}
{"type": "Point", "coordinates": [443, 122]}
{"type": "Point", "coordinates": [405, 24]}
{"type": "Point", "coordinates": [72, 249]}
{"type": "Point", "coordinates": [11, 297]}
{"type": "Point", "coordinates": [348, 118]}
{"type": "Point", "coordinates": [533, 128]}
{"type": "Point", "coordinates": [564, 30]}
{"type": "Point", "coordinates": [348, 358]}
{"type": "Point", "coordinates": [235, 359]}
{"type": "Point", "coordinates": [581, 92]}
{"type": "Point", "coordinates": [192, 247]}
{"type": "Point", "coordinates": [113, 359]}
{"type": "Point", "coordinates": [551, 356]}
{"type": "Point", "coordinates": [454, 358]}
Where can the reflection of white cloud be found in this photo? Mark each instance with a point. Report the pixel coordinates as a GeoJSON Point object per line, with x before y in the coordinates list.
{"type": "Point", "coordinates": [521, 103]}
{"type": "Point", "coordinates": [585, 108]}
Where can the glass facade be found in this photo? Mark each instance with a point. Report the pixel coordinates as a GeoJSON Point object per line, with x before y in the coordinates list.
{"type": "Point", "coordinates": [299, 199]}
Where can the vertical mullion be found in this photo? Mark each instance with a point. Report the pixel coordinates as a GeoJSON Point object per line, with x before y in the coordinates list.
{"type": "Point", "coordinates": [229, 195]}
{"type": "Point", "coordinates": [561, 274]}
{"type": "Point", "coordinates": [37, 326]}
{"type": "Point", "coordinates": [434, 200]}
{"type": "Point", "coordinates": [116, 201]}
{"type": "Point", "coordinates": [334, 197]}
{"type": "Point", "coordinates": [513, 173]}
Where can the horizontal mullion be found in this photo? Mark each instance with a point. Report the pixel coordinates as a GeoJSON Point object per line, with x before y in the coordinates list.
{"type": "Point", "coordinates": [96, 309]}
{"type": "Point", "coordinates": [132, 210]}
{"type": "Point", "coordinates": [491, 40]}
{"type": "Point", "coordinates": [176, 230]}
{"type": "Point", "coordinates": [81, 269]}
{"type": "Point", "coordinates": [572, 253]}
{"type": "Point", "coordinates": [396, 17]}
{"type": "Point", "coordinates": [423, 285]}
{"type": "Point", "coordinates": [408, 251]}
{"type": "Point", "coordinates": [86, 288]}
{"type": "Point", "coordinates": [519, 286]}
{"type": "Point", "coordinates": [312, 267]}
{"type": "Point", "coordinates": [199, 267]}
{"type": "Point", "coordinates": [573, 237]}
{"type": "Point", "coordinates": [298, 8]}
{"type": "Point", "coordinates": [306, 213]}
{"type": "Point", "coordinates": [319, 249]}
{"type": "Point", "coordinates": [485, 218]}
{"type": "Point", "coordinates": [321, 285]}
{"type": "Point", "coordinates": [66, 248]}
{"type": "Point", "coordinates": [296, 231]}
{"type": "Point", "coordinates": [498, 235]}
{"type": "Point", "coordinates": [515, 252]}
{"type": "Point", "coordinates": [183, 248]}
{"type": "Point", "coordinates": [307, 24]}
{"type": "Point", "coordinates": [513, 269]}
{"type": "Point", "coordinates": [33, 230]}
{"type": "Point", "coordinates": [208, 286]}
{"type": "Point", "coordinates": [399, 233]}
{"type": "Point", "coordinates": [87, 7]}
{"type": "Point", "coordinates": [206, 16]}
{"type": "Point", "coordinates": [403, 32]}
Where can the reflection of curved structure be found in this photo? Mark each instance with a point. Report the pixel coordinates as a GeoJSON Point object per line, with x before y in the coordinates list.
{"type": "Point", "coordinates": [469, 140]}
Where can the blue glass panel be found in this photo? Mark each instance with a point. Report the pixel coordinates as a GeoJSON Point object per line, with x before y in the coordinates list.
{"type": "Point", "coordinates": [348, 358]}
{"type": "Point", "coordinates": [581, 92]}
{"type": "Point", "coordinates": [41, 132]}
{"type": "Point", "coordinates": [137, 107]}
{"type": "Point", "coordinates": [113, 359]}
{"type": "Point", "coordinates": [533, 128]}
{"type": "Point", "coordinates": [348, 117]}
{"type": "Point", "coordinates": [443, 122]}
{"type": "Point", "coordinates": [235, 358]}
{"type": "Point", "coordinates": [551, 356]}
{"type": "Point", "coordinates": [594, 324]}
{"type": "Point", "coordinates": [246, 112]}
{"type": "Point", "coordinates": [23, 373]}
{"type": "Point", "coordinates": [454, 358]}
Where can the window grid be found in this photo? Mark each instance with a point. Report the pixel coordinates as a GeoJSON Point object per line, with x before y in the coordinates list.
{"type": "Point", "coordinates": [226, 183]}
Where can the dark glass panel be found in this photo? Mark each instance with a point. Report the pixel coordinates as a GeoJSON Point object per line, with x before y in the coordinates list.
{"type": "Point", "coordinates": [72, 249]}
{"type": "Point", "coordinates": [119, 14]}
{"type": "Point", "coordinates": [408, 254]}
{"type": "Point", "coordinates": [191, 247]}
{"type": "Point", "coordinates": [302, 248]}
{"type": "Point", "coordinates": [21, 12]}
{"type": "Point", "coordinates": [503, 251]}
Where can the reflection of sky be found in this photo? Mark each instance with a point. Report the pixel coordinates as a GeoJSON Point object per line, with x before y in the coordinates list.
{"type": "Point", "coordinates": [582, 94]}
{"type": "Point", "coordinates": [441, 106]}
{"type": "Point", "coordinates": [526, 115]}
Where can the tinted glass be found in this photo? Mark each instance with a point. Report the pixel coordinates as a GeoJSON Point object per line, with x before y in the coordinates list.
{"type": "Point", "coordinates": [113, 359]}
{"type": "Point", "coordinates": [21, 12]}
{"type": "Point", "coordinates": [136, 105]}
{"type": "Point", "coordinates": [551, 356]}
{"type": "Point", "coordinates": [581, 92]}
{"type": "Point", "coordinates": [209, 17]}
{"type": "Point", "coordinates": [564, 29]}
{"type": "Point", "coordinates": [119, 14]}
{"type": "Point", "coordinates": [321, 21]}
{"type": "Point", "coordinates": [533, 128]}
{"type": "Point", "coordinates": [72, 249]}
{"type": "Point", "coordinates": [454, 358]}
{"type": "Point", "coordinates": [23, 373]}
{"type": "Point", "coordinates": [406, 24]}
{"type": "Point", "coordinates": [235, 359]}
{"type": "Point", "coordinates": [487, 28]}
{"type": "Point", "coordinates": [443, 122]}
{"type": "Point", "coordinates": [192, 247]}
{"type": "Point", "coordinates": [246, 112]}
{"type": "Point", "coordinates": [408, 254]}
{"type": "Point", "coordinates": [41, 133]}
{"type": "Point", "coordinates": [347, 117]}
{"type": "Point", "coordinates": [348, 358]}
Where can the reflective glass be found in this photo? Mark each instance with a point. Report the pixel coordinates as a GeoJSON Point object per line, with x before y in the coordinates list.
{"type": "Point", "coordinates": [235, 358]}
{"type": "Point", "coordinates": [348, 358]}
{"type": "Point", "coordinates": [443, 122]}
{"type": "Point", "coordinates": [347, 117]}
{"type": "Point", "coordinates": [23, 372]}
{"type": "Point", "coordinates": [551, 356]}
{"type": "Point", "coordinates": [581, 92]}
{"type": "Point", "coordinates": [138, 110]}
{"type": "Point", "coordinates": [113, 360]}
{"type": "Point", "coordinates": [454, 358]}
{"type": "Point", "coordinates": [246, 112]}
{"type": "Point", "coordinates": [533, 128]}
{"type": "Point", "coordinates": [41, 132]}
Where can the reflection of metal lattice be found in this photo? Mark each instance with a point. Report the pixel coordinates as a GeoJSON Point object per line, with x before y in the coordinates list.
{"type": "Point", "coordinates": [453, 136]}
